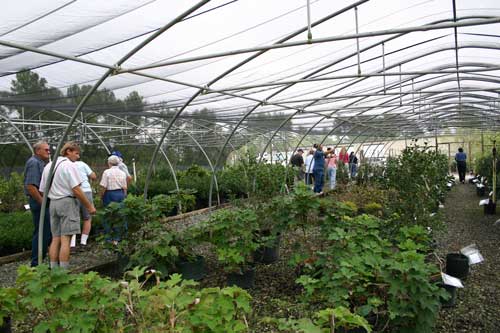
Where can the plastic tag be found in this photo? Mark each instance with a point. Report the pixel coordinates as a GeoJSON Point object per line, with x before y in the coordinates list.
{"type": "Point", "coordinates": [27, 207]}
{"type": "Point", "coordinates": [451, 281]}
{"type": "Point", "coordinates": [472, 253]}
{"type": "Point", "coordinates": [484, 202]}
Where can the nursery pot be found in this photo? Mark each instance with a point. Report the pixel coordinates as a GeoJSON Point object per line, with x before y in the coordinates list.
{"type": "Point", "coordinates": [192, 270]}
{"type": "Point", "coordinates": [490, 208]}
{"type": "Point", "coordinates": [480, 190]}
{"type": "Point", "coordinates": [452, 291]}
{"type": "Point", "coordinates": [244, 280]}
{"type": "Point", "coordinates": [268, 254]}
{"type": "Point", "coordinates": [7, 326]}
{"type": "Point", "coordinates": [457, 265]}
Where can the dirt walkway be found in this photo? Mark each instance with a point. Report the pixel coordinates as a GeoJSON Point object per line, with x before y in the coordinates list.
{"type": "Point", "coordinates": [478, 304]}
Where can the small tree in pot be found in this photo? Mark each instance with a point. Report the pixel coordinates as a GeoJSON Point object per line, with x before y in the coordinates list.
{"type": "Point", "coordinates": [232, 233]}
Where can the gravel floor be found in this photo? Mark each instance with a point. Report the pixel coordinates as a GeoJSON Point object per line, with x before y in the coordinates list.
{"type": "Point", "coordinates": [478, 304]}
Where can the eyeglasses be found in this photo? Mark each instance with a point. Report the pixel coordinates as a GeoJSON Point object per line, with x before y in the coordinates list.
{"type": "Point", "coordinates": [47, 150]}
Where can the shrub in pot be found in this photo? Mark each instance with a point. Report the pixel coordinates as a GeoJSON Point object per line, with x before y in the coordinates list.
{"type": "Point", "coordinates": [232, 232]}
{"type": "Point", "coordinates": [153, 247]}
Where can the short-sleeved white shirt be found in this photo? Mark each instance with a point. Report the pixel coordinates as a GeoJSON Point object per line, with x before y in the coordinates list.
{"type": "Point", "coordinates": [123, 167]}
{"type": "Point", "coordinates": [85, 172]}
{"type": "Point", "coordinates": [309, 163]}
{"type": "Point", "coordinates": [66, 177]}
{"type": "Point", "coordinates": [113, 179]}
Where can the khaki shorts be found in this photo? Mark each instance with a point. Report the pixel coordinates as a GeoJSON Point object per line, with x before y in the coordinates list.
{"type": "Point", "coordinates": [83, 211]}
{"type": "Point", "coordinates": [64, 217]}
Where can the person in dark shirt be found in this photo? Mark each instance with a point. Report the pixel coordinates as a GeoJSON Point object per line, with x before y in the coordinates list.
{"type": "Point", "coordinates": [32, 176]}
{"type": "Point", "coordinates": [297, 162]}
{"type": "Point", "coordinates": [319, 169]}
{"type": "Point", "coordinates": [461, 159]}
{"type": "Point", "coordinates": [353, 165]}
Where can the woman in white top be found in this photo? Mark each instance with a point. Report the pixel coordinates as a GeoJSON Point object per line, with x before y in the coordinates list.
{"type": "Point", "coordinates": [113, 189]}
{"type": "Point", "coordinates": [309, 165]}
{"type": "Point", "coordinates": [113, 182]}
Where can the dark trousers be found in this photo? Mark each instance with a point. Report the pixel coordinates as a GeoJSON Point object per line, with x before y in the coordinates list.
{"type": "Point", "coordinates": [318, 180]}
{"type": "Point", "coordinates": [36, 208]}
{"type": "Point", "coordinates": [462, 167]}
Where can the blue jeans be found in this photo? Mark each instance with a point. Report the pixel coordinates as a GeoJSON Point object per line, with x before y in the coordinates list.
{"type": "Point", "coordinates": [332, 175]}
{"type": "Point", "coordinates": [318, 180]}
{"type": "Point", "coordinates": [118, 231]}
{"type": "Point", "coordinates": [354, 170]}
{"type": "Point", "coordinates": [36, 208]}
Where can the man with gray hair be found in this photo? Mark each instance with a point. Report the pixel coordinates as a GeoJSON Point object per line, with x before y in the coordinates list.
{"type": "Point", "coordinates": [32, 176]}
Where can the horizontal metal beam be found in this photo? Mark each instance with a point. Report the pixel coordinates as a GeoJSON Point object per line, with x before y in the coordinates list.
{"type": "Point", "coordinates": [377, 33]}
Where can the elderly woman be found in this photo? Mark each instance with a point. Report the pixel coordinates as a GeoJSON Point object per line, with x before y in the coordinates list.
{"type": "Point", "coordinates": [113, 182]}
{"type": "Point", "coordinates": [113, 189]}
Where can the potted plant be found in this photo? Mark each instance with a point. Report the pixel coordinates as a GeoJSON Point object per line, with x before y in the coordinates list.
{"type": "Point", "coordinates": [190, 264]}
{"type": "Point", "coordinates": [232, 232]}
{"type": "Point", "coordinates": [8, 307]}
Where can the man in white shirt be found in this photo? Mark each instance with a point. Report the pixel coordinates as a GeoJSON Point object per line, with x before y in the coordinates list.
{"type": "Point", "coordinates": [63, 192]}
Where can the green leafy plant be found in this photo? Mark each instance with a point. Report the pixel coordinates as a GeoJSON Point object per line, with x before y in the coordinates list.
{"type": "Point", "coordinates": [153, 247]}
{"type": "Point", "coordinates": [12, 197]}
{"type": "Point", "coordinates": [325, 321]}
{"type": "Point", "coordinates": [177, 306]}
{"type": "Point", "coordinates": [360, 269]}
{"type": "Point", "coordinates": [419, 176]}
{"type": "Point", "coordinates": [9, 298]}
{"type": "Point", "coordinates": [69, 302]}
{"type": "Point", "coordinates": [232, 233]}
{"type": "Point", "coordinates": [16, 231]}
{"type": "Point", "coordinates": [62, 302]}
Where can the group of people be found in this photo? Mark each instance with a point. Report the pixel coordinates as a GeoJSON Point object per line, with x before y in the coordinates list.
{"type": "Point", "coordinates": [317, 161]}
{"type": "Point", "coordinates": [69, 197]}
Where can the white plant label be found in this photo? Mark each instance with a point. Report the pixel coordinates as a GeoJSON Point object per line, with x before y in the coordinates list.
{"type": "Point", "coordinates": [451, 281]}
{"type": "Point", "coordinates": [27, 207]}
{"type": "Point", "coordinates": [484, 202]}
{"type": "Point", "coordinates": [472, 253]}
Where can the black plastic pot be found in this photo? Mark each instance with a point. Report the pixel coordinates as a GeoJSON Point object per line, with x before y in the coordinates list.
{"type": "Point", "coordinates": [192, 270]}
{"type": "Point", "coordinates": [7, 326]}
{"type": "Point", "coordinates": [490, 208]}
{"type": "Point", "coordinates": [452, 291]}
{"type": "Point", "coordinates": [268, 255]}
{"type": "Point", "coordinates": [245, 280]}
{"type": "Point", "coordinates": [481, 190]}
{"type": "Point", "coordinates": [457, 265]}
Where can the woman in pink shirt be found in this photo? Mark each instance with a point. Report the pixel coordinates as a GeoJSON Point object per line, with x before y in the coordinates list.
{"type": "Point", "coordinates": [331, 167]}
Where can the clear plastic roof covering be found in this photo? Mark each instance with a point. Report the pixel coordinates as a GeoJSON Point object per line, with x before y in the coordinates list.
{"type": "Point", "coordinates": [222, 72]}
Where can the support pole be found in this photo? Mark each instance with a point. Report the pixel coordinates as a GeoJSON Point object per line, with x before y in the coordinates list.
{"type": "Point", "coordinates": [449, 158]}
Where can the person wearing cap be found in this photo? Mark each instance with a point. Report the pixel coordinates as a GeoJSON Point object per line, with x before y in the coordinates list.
{"type": "Point", "coordinates": [64, 191]}
{"type": "Point", "coordinates": [122, 166]}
